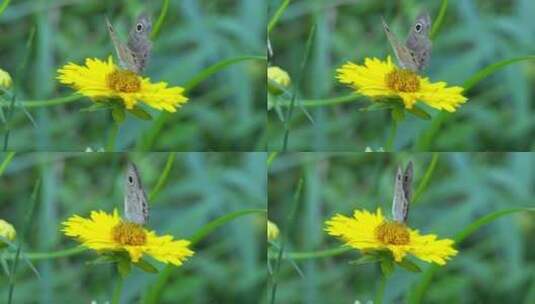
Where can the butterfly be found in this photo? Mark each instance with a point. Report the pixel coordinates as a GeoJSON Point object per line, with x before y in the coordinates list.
{"type": "Point", "coordinates": [402, 194]}
{"type": "Point", "coordinates": [135, 54]}
{"type": "Point", "coordinates": [415, 53]}
{"type": "Point", "coordinates": [136, 207]}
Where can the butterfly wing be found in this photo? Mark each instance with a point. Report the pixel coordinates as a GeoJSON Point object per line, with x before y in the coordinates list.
{"type": "Point", "coordinates": [139, 41]}
{"type": "Point", "coordinates": [407, 188]}
{"type": "Point", "coordinates": [402, 194]}
{"type": "Point", "coordinates": [126, 59]}
{"type": "Point", "coordinates": [136, 207]}
{"type": "Point", "coordinates": [418, 41]}
{"type": "Point", "coordinates": [402, 53]}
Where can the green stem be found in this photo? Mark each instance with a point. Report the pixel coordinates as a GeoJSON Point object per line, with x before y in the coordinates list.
{"type": "Point", "coordinates": [278, 13]}
{"type": "Point", "coordinates": [110, 147]}
{"type": "Point", "coordinates": [389, 145]}
{"type": "Point", "coordinates": [322, 102]}
{"type": "Point", "coordinates": [209, 71]}
{"type": "Point", "coordinates": [439, 20]}
{"type": "Point", "coordinates": [4, 6]}
{"type": "Point", "coordinates": [163, 177]}
{"type": "Point", "coordinates": [51, 255]}
{"type": "Point", "coordinates": [6, 162]}
{"type": "Point", "coordinates": [154, 293]}
{"type": "Point", "coordinates": [380, 292]}
{"type": "Point", "coordinates": [46, 103]}
{"type": "Point", "coordinates": [425, 180]}
{"type": "Point", "coordinates": [116, 299]}
{"type": "Point", "coordinates": [159, 22]}
{"type": "Point", "coordinates": [312, 254]}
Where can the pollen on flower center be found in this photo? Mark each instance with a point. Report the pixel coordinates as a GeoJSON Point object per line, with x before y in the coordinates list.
{"type": "Point", "coordinates": [393, 233]}
{"type": "Point", "coordinates": [126, 233]}
{"type": "Point", "coordinates": [123, 81]}
{"type": "Point", "coordinates": [402, 80]}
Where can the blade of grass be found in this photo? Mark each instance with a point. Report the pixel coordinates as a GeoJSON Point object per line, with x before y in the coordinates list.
{"type": "Point", "coordinates": [491, 69]}
{"type": "Point", "coordinates": [6, 161]}
{"type": "Point", "coordinates": [46, 103]}
{"type": "Point", "coordinates": [439, 20]}
{"type": "Point", "coordinates": [417, 294]}
{"type": "Point", "coordinates": [4, 6]}
{"type": "Point", "coordinates": [161, 19]}
{"type": "Point", "coordinates": [27, 223]}
{"type": "Point", "coordinates": [296, 86]}
{"type": "Point", "coordinates": [155, 291]}
{"type": "Point", "coordinates": [424, 182]}
{"type": "Point", "coordinates": [312, 103]}
{"type": "Point", "coordinates": [278, 13]}
{"type": "Point", "coordinates": [284, 238]}
{"type": "Point", "coordinates": [312, 254]}
{"type": "Point", "coordinates": [163, 177]}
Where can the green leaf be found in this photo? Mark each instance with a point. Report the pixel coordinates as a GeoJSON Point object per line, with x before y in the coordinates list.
{"type": "Point", "coordinates": [419, 112]}
{"type": "Point", "coordinates": [489, 70]}
{"type": "Point", "coordinates": [365, 259]}
{"type": "Point", "coordinates": [387, 266]}
{"type": "Point", "coordinates": [140, 113]}
{"type": "Point", "coordinates": [409, 265]}
{"type": "Point", "coordinates": [146, 266]}
{"type": "Point", "coordinates": [124, 267]}
{"type": "Point", "coordinates": [118, 115]}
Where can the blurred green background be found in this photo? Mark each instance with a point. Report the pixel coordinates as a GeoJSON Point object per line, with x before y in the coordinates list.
{"type": "Point", "coordinates": [494, 265]}
{"type": "Point", "coordinates": [228, 265]}
{"type": "Point", "coordinates": [498, 115]}
{"type": "Point", "coordinates": [226, 112]}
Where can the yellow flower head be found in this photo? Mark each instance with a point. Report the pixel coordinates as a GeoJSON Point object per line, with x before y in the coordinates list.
{"type": "Point", "coordinates": [100, 80]}
{"type": "Point", "coordinates": [108, 232]}
{"type": "Point", "coordinates": [369, 231]}
{"type": "Point", "coordinates": [7, 231]}
{"type": "Point", "coordinates": [378, 78]}
{"type": "Point", "coordinates": [272, 231]}
{"type": "Point", "coordinates": [278, 76]}
{"type": "Point", "coordinates": [5, 79]}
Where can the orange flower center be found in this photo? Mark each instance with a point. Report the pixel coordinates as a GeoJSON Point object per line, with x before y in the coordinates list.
{"type": "Point", "coordinates": [402, 80]}
{"type": "Point", "coordinates": [126, 233]}
{"type": "Point", "coordinates": [393, 233]}
{"type": "Point", "coordinates": [123, 81]}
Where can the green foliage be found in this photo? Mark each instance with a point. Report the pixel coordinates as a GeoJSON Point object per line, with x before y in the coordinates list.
{"type": "Point", "coordinates": [481, 200]}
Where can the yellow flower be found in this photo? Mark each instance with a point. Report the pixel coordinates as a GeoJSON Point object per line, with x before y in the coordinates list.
{"type": "Point", "coordinates": [278, 76]}
{"type": "Point", "coordinates": [100, 80]}
{"type": "Point", "coordinates": [108, 232]}
{"type": "Point", "coordinates": [5, 79]}
{"type": "Point", "coordinates": [369, 231]}
{"type": "Point", "coordinates": [378, 78]}
{"type": "Point", "coordinates": [272, 231]}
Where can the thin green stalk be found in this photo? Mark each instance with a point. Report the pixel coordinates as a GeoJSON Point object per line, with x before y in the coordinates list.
{"type": "Point", "coordinates": [45, 103]}
{"type": "Point", "coordinates": [34, 256]}
{"type": "Point", "coordinates": [161, 19]}
{"type": "Point", "coordinates": [27, 221]}
{"type": "Point", "coordinates": [154, 293]}
{"type": "Point", "coordinates": [6, 162]}
{"type": "Point", "coordinates": [270, 159]}
{"type": "Point", "coordinates": [10, 111]}
{"type": "Point", "coordinates": [4, 6]}
{"type": "Point", "coordinates": [422, 186]}
{"type": "Point", "coordinates": [312, 103]}
{"type": "Point", "coordinates": [312, 254]}
{"type": "Point", "coordinates": [439, 20]}
{"type": "Point", "coordinates": [287, 227]}
{"type": "Point", "coordinates": [110, 146]}
{"type": "Point", "coordinates": [163, 177]}
{"type": "Point", "coordinates": [278, 13]}
{"type": "Point", "coordinates": [389, 145]}
{"type": "Point", "coordinates": [380, 292]}
{"type": "Point", "coordinates": [308, 46]}
{"type": "Point", "coordinates": [209, 71]}
{"type": "Point", "coordinates": [116, 298]}
{"type": "Point", "coordinates": [417, 294]}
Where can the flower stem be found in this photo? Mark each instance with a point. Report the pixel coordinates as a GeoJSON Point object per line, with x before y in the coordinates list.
{"type": "Point", "coordinates": [380, 292]}
{"type": "Point", "coordinates": [117, 290]}
{"type": "Point", "coordinates": [51, 255]}
{"type": "Point", "coordinates": [45, 103]}
{"type": "Point", "coordinates": [312, 254]}
{"type": "Point", "coordinates": [312, 103]}
{"type": "Point", "coordinates": [389, 145]}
